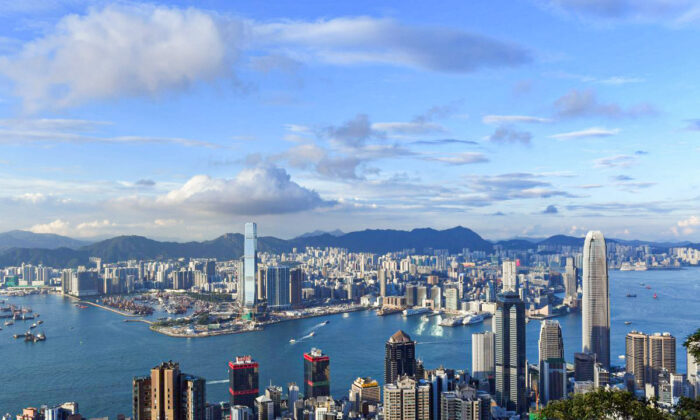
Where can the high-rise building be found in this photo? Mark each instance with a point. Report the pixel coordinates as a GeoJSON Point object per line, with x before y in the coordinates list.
{"type": "Point", "coordinates": [464, 404]}
{"type": "Point", "coordinates": [274, 393]}
{"type": "Point", "coordinates": [570, 278]}
{"type": "Point", "coordinates": [242, 412]}
{"type": "Point", "coordinates": [636, 356]}
{"type": "Point", "coordinates": [277, 286]}
{"type": "Point", "coordinates": [296, 282]}
{"type": "Point", "coordinates": [584, 364]}
{"type": "Point", "coordinates": [510, 276]}
{"type": "Point", "coordinates": [596, 299]}
{"type": "Point", "coordinates": [483, 353]}
{"type": "Point", "coordinates": [662, 355]}
{"type": "Point", "coordinates": [400, 357]}
{"type": "Point", "coordinates": [552, 384]}
{"type": "Point", "coordinates": [265, 408]}
{"type": "Point", "coordinates": [407, 399]}
{"type": "Point", "coordinates": [451, 299]}
{"type": "Point", "coordinates": [168, 394]}
{"type": "Point", "coordinates": [250, 263]}
{"type": "Point", "coordinates": [436, 296]}
{"type": "Point", "coordinates": [410, 295]}
{"type": "Point", "coordinates": [381, 278]}
{"type": "Point", "coordinates": [364, 392]}
{"type": "Point", "coordinates": [243, 381]}
{"type": "Point", "coordinates": [317, 374]}
{"type": "Point", "coordinates": [510, 353]}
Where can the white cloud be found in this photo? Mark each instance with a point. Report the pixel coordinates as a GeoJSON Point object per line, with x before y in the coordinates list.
{"type": "Point", "coordinates": [465, 158]}
{"type": "Point", "coordinates": [66, 228]}
{"type": "Point", "coordinates": [119, 50]}
{"type": "Point", "coordinates": [58, 226]}
{"type": "Point", "coordinates": [686, 226]}
{"type": "Point", "coordinates": [617, 161]}
{"type": "Point", "coordinates": [508, 119]}
{"type": "Point", "coordinates": [409, 128]}
{"type": "Point", "coordinates": [589, 132]}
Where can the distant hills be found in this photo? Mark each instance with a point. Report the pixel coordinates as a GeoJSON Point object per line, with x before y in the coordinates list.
{"type": "Point", "coordinates": [60, 251]}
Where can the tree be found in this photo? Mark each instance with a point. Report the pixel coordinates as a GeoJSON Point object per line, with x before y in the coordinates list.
{"type": "Point", "coordinates": [692, 343]}
{"type": "Point", "coordinates": [603, 404]}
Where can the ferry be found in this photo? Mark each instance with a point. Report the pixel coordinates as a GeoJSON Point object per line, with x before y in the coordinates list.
{"type": "Point", "coordinates": [292, 341]}
{"type": "Point", "coordinates": [621, 357]}
{"type": "Point", "coordinates": [473, 319]}
{"type": "Point", "coordinates": [451, 322]}
{"type": "Point", "coordinates": [628, 322]}
{"type": "Point", "coordinates": [415, 311]}
{"type": "Point", "coordinates": [631, 295]}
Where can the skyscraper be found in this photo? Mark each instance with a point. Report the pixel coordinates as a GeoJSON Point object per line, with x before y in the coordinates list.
{"type": "Point", "coordinates": [552, 365]}
{"type": "Point", "coordinates": [250, 263]}
{"type": "Point", "coordinates": [277, 286]}
{"type": "Point", "coordinates": [296, 281]}
{"type": "Point", "coordinates": [317, 374]}
{"type": "Point", "coordinates": [636, 356]}
{"type": "Point", "coordinates": [407, 399]}
{"type": "Point", "coordinates": [243, 381]}
{"type": "Point", "coordinates": [662, 355]}
{"type": "Point", "coordinates": [364, 392]}
{"type": "Point", "coordinates": [381, 278]}
{"type": "Point", "coordinates": [584, 365]}
{"type": "Point", "coordinates": [510, 352]}
{"type": "Point", "coordinates": [596, 300]}
{"type": "Point", "coordinates": [483, 349]}
{"type": "Point", "coordinates": [510, 277]}
{"type": "Point", "coordinates": [168, 394]}
{"type": "Point", "coordinates": [570, 278]}
{"type": "Point", "coordinates": [400, 357]}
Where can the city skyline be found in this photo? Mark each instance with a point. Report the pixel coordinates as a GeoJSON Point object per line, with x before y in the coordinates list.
{"type": "Point", "coordinates": [355, 116]}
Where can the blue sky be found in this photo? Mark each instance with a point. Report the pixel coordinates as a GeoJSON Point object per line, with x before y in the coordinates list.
{"type": "Point", "coordinates": [183, 120]}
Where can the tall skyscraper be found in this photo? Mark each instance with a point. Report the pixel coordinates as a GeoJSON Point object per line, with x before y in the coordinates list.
{"type": "Point", "coordinates": [296, 281]}
{"type": "Point", "coordinates": [510, 277]}
{"type": "Point", "coordinates": [596, 300]}
{"type": "Point", "coordinates": [584, 365]}
{"type": "Point", "coordinates": [636, 356]}
{"type": "Point", "coordinates": [407, 399]}
{"type": "Point", "coordinates": [570, 278]}
{"type": "Point", "coordinates": [510, 352]}
{"type": "Point", "coordinates": [662, 355]}
{"type": "Point", "coordinates": [277, 286]}
{"type": "Point", "coordinates": [317, 374]}
{"type": "Point", "coordinates": [243, 382]}
{"type": "Point", "coordinates": [364, 392]}
{"type": "Point", "coordinates": [483, 353]}
{"type": "Point", "coordinates": [381, 278]}
{"type": "Point", "coordinates": [250, 263]}
{"type": "Point", "coordinates": [552, 365]}
{"type": "Point", "coordinates": [400, 357]}
{"type": "Point", "coordinates": [168, 394]}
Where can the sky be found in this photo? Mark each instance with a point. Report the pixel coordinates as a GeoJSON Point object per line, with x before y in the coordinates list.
{"type": "Point", "coordinates": [515, 118]}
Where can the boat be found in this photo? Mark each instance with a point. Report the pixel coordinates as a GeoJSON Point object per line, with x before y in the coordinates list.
{"type": "Point", "coordinates": [18, 335]}
{"type": "Point", "coordinates": [415, 311]}
{"type": "Point", "coordinates": [33, 325]}
{"type": "Point", "coordinates": [451, 322]}
{"type": "Point", "coordinates": [325, 322]}
{"type": "Point", "coordinates": [655, 296]}
{"type": "Point", "coordinates": [8, 323]}
{"type": "Point", "coordinates": [621, 357]}
{"type": "Point", "coordinates": [648, 287]}
{"type": "Point", "coordinates": [346, 315]}
{"type": "Point", "coordinates": [626, 267]}
{"type": "Point", "coordinates": [292, 341]}
{"type": "Point", "coordinates": [40, 337]}
{"type": "Point", "coordinates": [39, 322]}
{"type": "Point", "coordinates": [631, 295]}
{"type": "Point", "coordinates": [628, 322]}
{"type": "Point", "coordinates": [472, 319]}
{"type": "Point", "coordinates": [312, 333]}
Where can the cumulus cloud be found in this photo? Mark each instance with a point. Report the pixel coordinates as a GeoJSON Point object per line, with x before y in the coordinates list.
{"type": "Point", "coordinates": [119, 50]}
{"type": "Point", "coordinates": [66, 228]}
{"type": "Point", "coordinates": [686, 226]}
{"type": "Point", "coordinates": [509, 119]}
{"type": "Point", "coordinates": [464, 158]}
{"type": "Point", "coordinates": [584, 103]}
{"type": "Point", "coordinates": [589, 132]}
{"type": "Point", "coordinates": [261, 190]}
{"type": "Point", "coordinates": [551, 209]}
{"type": "Point", "coordinates": [510, 135]}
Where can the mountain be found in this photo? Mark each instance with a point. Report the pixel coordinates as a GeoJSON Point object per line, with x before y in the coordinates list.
{"type": "Point", "coordinates": [25, 239]}
{"type": "Point", "coordinates": [336, 232]}
{"type": "Point", "coordinates": [230, 246]}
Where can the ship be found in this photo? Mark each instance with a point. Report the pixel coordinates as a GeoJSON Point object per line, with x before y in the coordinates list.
{"type": "Point", "coordinates": [325, 322]}
{"type": "Point", "coordinates": [8, 323]}
{"type": "Point", "coordinates": [312, 333]}
{"type": "Point", "coordinates": [628, 322]}
{"type": "Point", "coordinates": [621, 357]}
{"type": "Point", "coordinates": [39, 322]}
{"type": "Point", "coordinates": [33, 325]}
{"type": "Point", "coordinates": [472, 319]}
{"type": "Point", "coordinates": [415, 311]}
{"type": "Point", "coordinates": [292, 341]}
{"type": "Point", "coordinates": [451, 322]}
{"type": "Point", "coordinates": [631, 295]}
{"type": "Point", "coordinates": [626, 267]}
{"type": "Point", "coordinates": [655, 296]}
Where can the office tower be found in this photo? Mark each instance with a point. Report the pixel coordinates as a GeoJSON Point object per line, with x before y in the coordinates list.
{"type": "Point", "coordinates": [277, 286]}
{"type": "Point", "coordinates": [275, 394]}
{"type": "Point", "coordinates": [490, 292]}
{"type": "Point", "coordinates": [595, 300]}
{"type": "Point", "coordinates": [410, 295]}
{"type": "Point", "coordinates": [381, 278]}
{"type": "Point", "coordinates": [400, 357]}
{"type": "Point", "coordinates": [242, 412]}
{"type": "Point", "coordinates": [570, 278]}
{"type": "Point", "coordinates": [436, 296]}
{"type": "Point", "coordinates": [407, 399]}
{"type": "Point", "coordinates": [662, 355]}
{"type": "Point", "coordinates": [292, 394]}
{"type": "Point", "coordinates": [363, 393]}
{"type": "Point", "coordinates": [510, 353]}
{"type": "Point", "coordinates": [265, 408]}
{"type": "Point", "coordinates": [243, 381]}
{"type": "Point", "coordinates": [584, 363]}
{"type": "Point", "coordinates": [464, 404]}
{"type": "Point", "coordinates": [483, 351]}
{"type": "Point", "coordinates": [439, 383]}
{"type": "Point", "coordinates": [260, 283]}
{"type": "Point", "coordinates": [636, 356]}
{"type": "Point", "coordinates": [421, 295]}
{"type": "Point", "coordinates": [317, 374]}
{"type": "Point", "coordinates": [451, 299]}
{"type": "Point", "coordinates": [296, 282]}
{"type": "Point", "coordinates": [552, 384]}
{"type": "Point", "coordinates": [601, 376]}
{"type": "Point", "coordinates": [510, 277]}
{"type": "Point", "coordinates": [250, 263]}
{"type": "Point", "coordinates": [168, 394]}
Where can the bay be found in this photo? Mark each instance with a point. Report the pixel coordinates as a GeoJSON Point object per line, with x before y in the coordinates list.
{"type": "Point", "coordinates": [91, 355]}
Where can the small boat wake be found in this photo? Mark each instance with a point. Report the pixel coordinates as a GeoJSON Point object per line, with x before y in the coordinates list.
{"type": "Point", "coordinates": [309, 333]}
{"type": "Point", "coordinates": [223, 381]}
